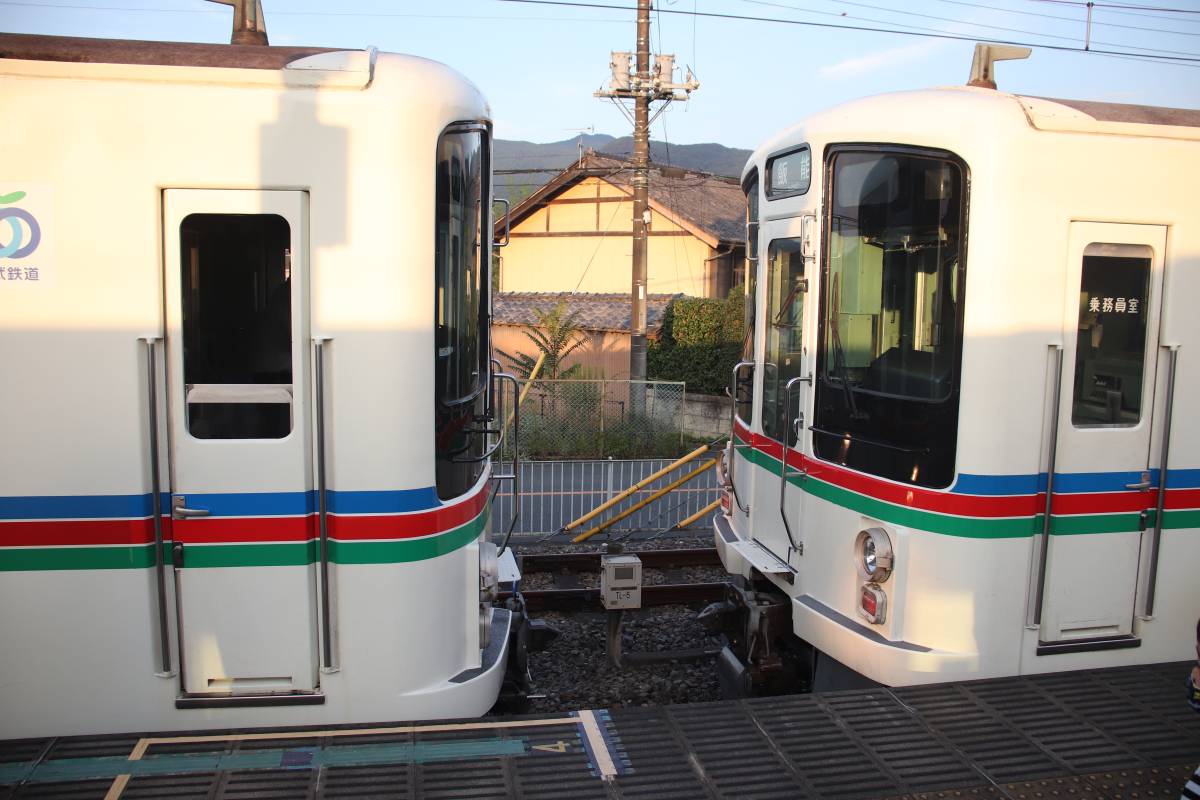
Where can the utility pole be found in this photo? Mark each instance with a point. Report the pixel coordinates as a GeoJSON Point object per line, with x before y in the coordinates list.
{"type": "Point", "coordinates": [642, 87]}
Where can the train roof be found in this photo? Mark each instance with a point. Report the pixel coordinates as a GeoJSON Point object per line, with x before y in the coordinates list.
{"type": "Point", "coordinates": [903, 114]}
{"type": "Point", "coordinates": [404, 76]}
{"type": "Point", "coordinates": [82, 50]}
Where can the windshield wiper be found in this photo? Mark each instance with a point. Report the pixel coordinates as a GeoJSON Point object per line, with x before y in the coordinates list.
{"type": "Point", "coordinates": [839, 364]}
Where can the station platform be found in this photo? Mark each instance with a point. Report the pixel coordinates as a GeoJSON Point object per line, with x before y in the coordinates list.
{"type": "Point", "coordinates": [1115, 733]}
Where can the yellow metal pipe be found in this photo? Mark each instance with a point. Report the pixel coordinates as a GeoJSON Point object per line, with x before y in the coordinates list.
{"type": "Point", "coordinates": [533, 373]}
{"type": "Point", "coordinates": [644, 482]}
{"type": "Point", "coordinates": [708, 508]}
{"type": "Point", "coordinates": [675, 484]}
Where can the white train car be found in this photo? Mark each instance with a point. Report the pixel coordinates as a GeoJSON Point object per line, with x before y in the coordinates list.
{"type": "Point", "coordinates": [246, 373]}
{"type": "Point", "coordinates": [961, 446]}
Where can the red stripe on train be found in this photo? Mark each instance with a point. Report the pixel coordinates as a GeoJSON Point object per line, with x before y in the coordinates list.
{"type": "Point", "coordinates": [240, 530]}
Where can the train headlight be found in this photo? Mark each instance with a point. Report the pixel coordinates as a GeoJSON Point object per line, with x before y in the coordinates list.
{"type": "Point", "coordinates": [873, 555]}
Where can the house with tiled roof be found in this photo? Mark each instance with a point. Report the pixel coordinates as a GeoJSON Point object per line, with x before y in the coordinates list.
{"type": "Point", "coordinates": [575, 234]}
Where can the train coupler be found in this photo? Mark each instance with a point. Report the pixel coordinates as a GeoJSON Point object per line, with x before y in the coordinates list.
{"type": "Point", "coordinates": [761, 657]}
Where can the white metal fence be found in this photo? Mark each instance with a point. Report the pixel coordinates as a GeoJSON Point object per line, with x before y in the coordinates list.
{"type": "Point", "coordinates": [554, 493]}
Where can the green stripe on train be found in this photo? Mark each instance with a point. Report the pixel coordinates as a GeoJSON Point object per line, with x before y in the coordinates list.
{"type": "Point", "coordinates": [970, 527]}
{"type": "Point", "coordinates": [283, 554]}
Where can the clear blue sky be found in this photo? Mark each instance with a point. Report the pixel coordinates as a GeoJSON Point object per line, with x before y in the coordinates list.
{"type": "Point", "coordinates": [539, 64]}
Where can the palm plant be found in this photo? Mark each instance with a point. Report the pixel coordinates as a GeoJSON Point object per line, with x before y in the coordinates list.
{"type": "Point", "coordinates": [555, 336]}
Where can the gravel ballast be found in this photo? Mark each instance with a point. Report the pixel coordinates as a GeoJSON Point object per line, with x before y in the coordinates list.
{"type": "Point", "coordinates": [575, 671]}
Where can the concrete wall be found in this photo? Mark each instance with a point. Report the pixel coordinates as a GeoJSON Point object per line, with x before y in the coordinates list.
{"type": "Point", "coordinates": [706, 416]}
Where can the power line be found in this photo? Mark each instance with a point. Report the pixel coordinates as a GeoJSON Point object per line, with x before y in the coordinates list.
{"type": "Point", "coordinates": [955, 22]}
{"type": "Point", "coordinates": [1095, 23]}
{"type": "Point", "coordinates": [1117, 5]}
{"type": "Point", "coordinates": [1182, 60]}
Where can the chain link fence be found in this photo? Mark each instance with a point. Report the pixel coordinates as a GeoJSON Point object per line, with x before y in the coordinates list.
{"type": "Point", "coordinates": [589, 419]}
{"type": "Point", "coordinates": [554, 493]}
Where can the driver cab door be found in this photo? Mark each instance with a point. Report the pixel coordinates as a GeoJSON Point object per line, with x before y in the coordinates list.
{"type": "Point", "coordinates": [786, 381]}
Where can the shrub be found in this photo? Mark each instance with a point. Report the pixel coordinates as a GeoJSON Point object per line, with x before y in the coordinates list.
{"type": "Point", "coordinates": [701, 341]}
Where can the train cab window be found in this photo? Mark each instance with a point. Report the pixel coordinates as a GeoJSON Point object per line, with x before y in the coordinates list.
{"type": "Point", "coordinates": [892, 314]}
{"type": "Point", "coordinates": [787, 288]}
{"type": "Point", "coordinates": [1110, 349]}
{"type": "Point", "coordinates": [461, 306]}
{"type": "Point", "coordinates": [744, 390]}
{"type": "Point", "coordinates": [237, 325]}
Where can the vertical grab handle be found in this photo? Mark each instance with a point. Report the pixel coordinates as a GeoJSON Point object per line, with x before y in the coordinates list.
{"type": "Point", "coordinates": [733, 448]}
{"type": "Point", "coordinates": [783, 460]}
{"type": "Point", "coordinates": [515, 477]}
{"type": "Point", "coordinates": [327, 664]}
{"type": "Point", "coordinates": [504, 243]}
{"type": "Point", "coordinates": [1156, 537]}
{"type": "Point", "coordinates": [164, 643]}
{"type": "Point", "coordinates": [1051, 459]}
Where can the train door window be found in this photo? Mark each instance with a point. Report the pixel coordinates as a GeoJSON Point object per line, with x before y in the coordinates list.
{"type": "Point", "coordinates": [787, 288]}
{"type": "Point", "coordinates": [461, 307]}
{"type": "Point", "coordinates": [237, 325]}
{"type": "Point", "coordinates": [744, 390]}
{"type": "Point", "coordinates": [1110, 350]}
{"type": "Point", "coordinates": [892, 313]}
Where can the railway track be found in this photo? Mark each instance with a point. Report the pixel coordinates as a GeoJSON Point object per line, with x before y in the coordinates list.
{"type": "Point", "coordinates": [573, 599]}
{"type": "Point", "coordinates": [667, 594]}
{"type": "Point", "coordinates": [590, 562]}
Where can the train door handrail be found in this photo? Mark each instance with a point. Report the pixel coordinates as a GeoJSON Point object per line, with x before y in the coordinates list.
{"type": "Point", "coordinates": [160, 582]}
{"type": "Point", "coordinates": [515, 475]}
{"type": "Point", "coordinates": [327, 664]}
{"type": "Point", "coordinates": [733, 445]}
{"type": "Point", "coordinates": [798, 426]}
{"type": "Point", "coordinates": [1051, 460]}
{"type": "Point", "coordinates": [1160, 502]}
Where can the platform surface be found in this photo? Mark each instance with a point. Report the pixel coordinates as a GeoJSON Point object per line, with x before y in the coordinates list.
{"type": "Point", "coordinates": [1117, 733]}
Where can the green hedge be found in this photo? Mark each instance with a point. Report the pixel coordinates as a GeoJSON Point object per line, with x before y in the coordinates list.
{"type": "Point", "coordinates": [701, 340]}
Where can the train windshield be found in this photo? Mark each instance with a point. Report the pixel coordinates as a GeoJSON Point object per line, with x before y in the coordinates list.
{"type": "Point", "coordinates": [461, 308]}
{"type": "Point", "coordinates": [887, 398]}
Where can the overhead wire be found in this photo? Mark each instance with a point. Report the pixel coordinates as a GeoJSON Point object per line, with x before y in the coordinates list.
{"type": "Point", "coordinates": [1095, 22]}
{"type": "Point", "coordinates": [952, 21]}
{"type": "Point", "coordinates": [1165, 59]}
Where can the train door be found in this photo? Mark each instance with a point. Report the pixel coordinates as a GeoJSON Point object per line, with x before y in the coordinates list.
{"type": "Point", "coordinates": [241, 466]}
{"type": "Point", "coordinates": [786, 380]}
{"type": "Point", "coordinates": [1104, 489]}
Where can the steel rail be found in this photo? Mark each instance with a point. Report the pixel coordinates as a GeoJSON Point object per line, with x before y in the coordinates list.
{"type": "Point", "coordinates": [590, 562]}
{"type": "Point", "coordinates": [590, 600]}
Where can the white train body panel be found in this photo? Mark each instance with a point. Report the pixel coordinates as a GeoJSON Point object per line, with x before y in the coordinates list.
{"type": "Point", "coordinates": [1042, 183]}
{"type": "Point", "coordinates": [111, 159]}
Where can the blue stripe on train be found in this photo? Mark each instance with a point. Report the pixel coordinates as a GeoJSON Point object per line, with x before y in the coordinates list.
{"type": "Point", "coordinates": [1069, 482]}
{"type": "Point", "coordinates": [254, 504]}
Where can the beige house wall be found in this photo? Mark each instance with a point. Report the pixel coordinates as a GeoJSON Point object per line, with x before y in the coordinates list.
{"type": "Point", "coordinates": [605, 355]}
{"type": "Point", "coordinates": [544, 256]}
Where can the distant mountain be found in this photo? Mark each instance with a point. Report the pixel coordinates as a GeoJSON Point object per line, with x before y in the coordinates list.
{"type": "Point", "coordinates": [547, 160]}
{"type": "Point", "coordinates": [710, 157]}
